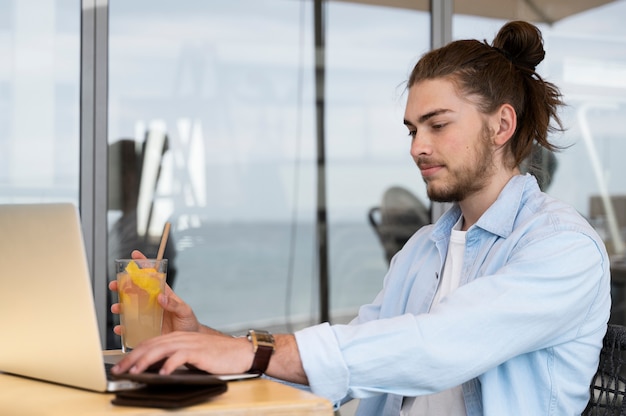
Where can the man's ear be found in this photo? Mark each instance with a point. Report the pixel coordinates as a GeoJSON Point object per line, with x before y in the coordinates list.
{"type": "Point", "coordinates": [505, 121]}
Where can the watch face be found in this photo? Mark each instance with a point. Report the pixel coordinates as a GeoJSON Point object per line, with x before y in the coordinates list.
{"type": "Point", "coordinates": [263, 338]}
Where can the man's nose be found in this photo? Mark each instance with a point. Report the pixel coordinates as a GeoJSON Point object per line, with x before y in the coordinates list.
{"type": "Point", "coordinates": [420, 145]}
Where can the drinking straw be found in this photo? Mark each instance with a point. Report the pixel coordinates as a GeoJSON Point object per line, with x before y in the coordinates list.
{"type": "Point", "coordinates": [166, 232]}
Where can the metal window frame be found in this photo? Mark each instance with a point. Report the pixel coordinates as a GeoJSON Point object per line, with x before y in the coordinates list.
{"type": "Point", "coordinates": [441, 12]}
{"type": "Point", "coordinates": [94, 147]}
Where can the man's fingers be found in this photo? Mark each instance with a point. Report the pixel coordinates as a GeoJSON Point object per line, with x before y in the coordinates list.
{"type": "Point", "coordinates": [163, 301]}
{"type": "Point", "coordinates": [137, 255]}
{"type": "Point", "coordinates": [172, 303]}
{"type": "Point", "coordinates": [175, 360]}
{"type": "Point", "coordinates": [168, 290]}
{"type": "Point", "coordinates": [145, 355]}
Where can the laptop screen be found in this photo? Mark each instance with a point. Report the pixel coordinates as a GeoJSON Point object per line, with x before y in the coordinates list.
{"type": "Point", "coordinates": [47, 306]}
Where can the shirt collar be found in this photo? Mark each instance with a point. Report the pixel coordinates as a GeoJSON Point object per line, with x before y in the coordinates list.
{"type": "Point", "coordinates": [500, 217]}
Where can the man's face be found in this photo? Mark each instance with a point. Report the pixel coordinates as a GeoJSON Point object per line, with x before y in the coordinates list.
{"type": "Point", "coordinates": [450, 141]}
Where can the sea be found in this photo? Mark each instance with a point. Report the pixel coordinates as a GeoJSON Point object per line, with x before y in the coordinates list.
{"type": "Point", "coordinates": [267, 275]}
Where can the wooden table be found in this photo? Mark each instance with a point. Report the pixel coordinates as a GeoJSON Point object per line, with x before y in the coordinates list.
{"type": "Point", "coordinates": [25, 397]}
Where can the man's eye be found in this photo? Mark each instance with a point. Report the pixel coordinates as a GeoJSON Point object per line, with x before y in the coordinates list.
{"type": "Point", "coordinates": [412, 133]}
{"type": "Point", "coordinates": [438, 126]}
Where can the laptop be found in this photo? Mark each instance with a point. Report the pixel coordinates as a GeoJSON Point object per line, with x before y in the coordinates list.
{"type": "Point", "coordinates": [47, 313]}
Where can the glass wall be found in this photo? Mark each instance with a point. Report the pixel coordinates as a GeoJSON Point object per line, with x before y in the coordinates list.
{"type": "Point", "coordinates": [212, 127]}
{"type": "Point", "coordinates": [367, 146]}
{"type": "Point", "coordinates": [39, 101]}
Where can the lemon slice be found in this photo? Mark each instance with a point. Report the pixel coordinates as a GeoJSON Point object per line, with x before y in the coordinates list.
{"type": "Point", "coordinates": [146, 279]}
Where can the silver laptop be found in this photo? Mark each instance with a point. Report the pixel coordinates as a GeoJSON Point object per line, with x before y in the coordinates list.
{"type": "Point", "coordinates": [47, 314]}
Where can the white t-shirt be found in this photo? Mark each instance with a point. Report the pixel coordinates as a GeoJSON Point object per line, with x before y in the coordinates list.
{"type": "Point", "coordinates": [448, 402]}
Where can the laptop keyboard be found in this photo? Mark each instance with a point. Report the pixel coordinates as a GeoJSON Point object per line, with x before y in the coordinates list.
{"type": "Point", "coordinates": [107, 369]}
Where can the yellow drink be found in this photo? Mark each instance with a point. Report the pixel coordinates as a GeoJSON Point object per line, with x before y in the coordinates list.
{"type": "Point", "coordinates": [141, 315]}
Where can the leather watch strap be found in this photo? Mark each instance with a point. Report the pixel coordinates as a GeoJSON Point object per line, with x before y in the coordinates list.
{"type": "Point", "coordinates": [263, 347]}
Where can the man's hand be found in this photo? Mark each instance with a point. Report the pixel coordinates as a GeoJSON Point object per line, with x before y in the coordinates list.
{"type": "Point", "coordinates": [214, 353]}
{"type": "Point", "coordinates": [186, 342]}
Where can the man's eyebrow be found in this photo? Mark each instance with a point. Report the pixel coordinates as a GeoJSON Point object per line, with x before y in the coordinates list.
{"type": "Point", "coordinates": [427, 116]}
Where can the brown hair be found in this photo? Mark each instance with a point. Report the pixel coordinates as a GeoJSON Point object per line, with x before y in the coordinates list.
{"type": "Point", "coordinates": [501, 73]}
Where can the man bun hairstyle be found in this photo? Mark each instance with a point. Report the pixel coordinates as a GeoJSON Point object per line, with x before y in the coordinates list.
{"type": "Point", "coordinates": [502, 73]}
{"type": "Point", "coordinates": [522, 43]}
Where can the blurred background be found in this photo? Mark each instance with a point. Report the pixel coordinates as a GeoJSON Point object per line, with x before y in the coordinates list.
{"type": "Point", "coordinates": [269, 133]}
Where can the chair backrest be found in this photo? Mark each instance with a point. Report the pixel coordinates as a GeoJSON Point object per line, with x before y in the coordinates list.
{"type": "Point", "coordinates": [400, 214]}
{"type": "Point", "coordinates": [608, 386]}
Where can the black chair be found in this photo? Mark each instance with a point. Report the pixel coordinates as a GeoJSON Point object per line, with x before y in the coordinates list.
{"type": "Point", "coordinates": [608, 386]}
{"type": "Point", "coordinates": [397, 218]}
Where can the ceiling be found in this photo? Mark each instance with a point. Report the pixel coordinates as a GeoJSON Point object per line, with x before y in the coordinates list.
{"type": "Point", "coordinates": [538, 11]}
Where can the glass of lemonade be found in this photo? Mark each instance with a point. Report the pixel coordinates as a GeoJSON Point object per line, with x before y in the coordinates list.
{"type": "Point", "coordinates": [139, 283]}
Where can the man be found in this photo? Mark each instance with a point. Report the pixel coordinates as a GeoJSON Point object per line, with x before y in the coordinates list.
{"type": "Point", "coordinates": [497, 309]}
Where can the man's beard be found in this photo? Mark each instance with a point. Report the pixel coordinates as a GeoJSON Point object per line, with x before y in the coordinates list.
{"type": "Point", "coordinates": [468, 179]}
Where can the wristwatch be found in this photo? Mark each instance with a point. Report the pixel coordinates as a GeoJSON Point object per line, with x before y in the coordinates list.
{"type": "Point", "coordinates": [263, 347]}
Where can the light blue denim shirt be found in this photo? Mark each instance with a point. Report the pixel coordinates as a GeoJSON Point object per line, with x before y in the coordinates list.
{"type": "Point", "coordinates": [522, 333]}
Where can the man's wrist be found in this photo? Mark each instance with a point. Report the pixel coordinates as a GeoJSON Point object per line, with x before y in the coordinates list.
{"type": "Point", "coordinates": [263, 346]}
